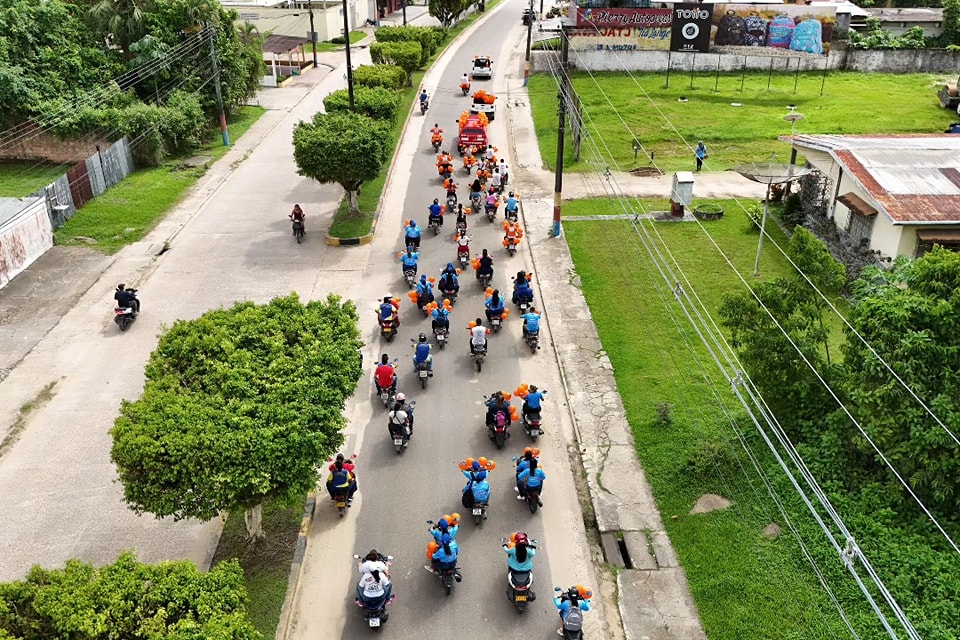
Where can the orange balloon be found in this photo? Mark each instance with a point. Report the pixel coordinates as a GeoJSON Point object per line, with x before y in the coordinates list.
{"type": "Point", "coordinates": [445, 517]}
{"type": "Point", "coordinates": [431, 280]}
{"type": "Point", "coordinates": [455, 518]}
{"type": "Point", "coordinates": [504, 242]}
{"type": "Point", "coordinates": [506, 396]}
{"type": "Point", "coordinates": [458, 271]}
{"type": "Point", "coordinates": [489, 291]}
{"type": "Point", "coordinates": [482, 460]}
{"type": "Point", "coordinates": [491, 465]}
{"type": "Point", "coordinates": [506, 312]}
{"type": "Point", "coordinates": [475, 264]}
{"type": "Point", "coordinates": [412, 295]}
{"type": "Point", "coordinates": [471, 324]}
{"type": "Point", "coordinates": [431, 549]}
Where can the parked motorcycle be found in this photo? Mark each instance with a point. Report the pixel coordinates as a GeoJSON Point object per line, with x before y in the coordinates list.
{"type": "Point", "coordinates": [374, 610]}
{"type": "Point", "coordinates": [124, 316]}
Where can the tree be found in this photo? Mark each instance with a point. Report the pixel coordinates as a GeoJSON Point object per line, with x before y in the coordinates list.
{"type": "Point", "coordinates": [119, 22]}
{"type": "Point", "coordinates": [346, 148]}
{"type": "Point", "coordinates": [404, 54]}
{"type": "Point", "coordinates": [240, 405]}
{"type": "Point", "coordinates": [423, 35]}
{"type": "Point", "coordinates": [950, 29]}
{"type": "Point", "coordinates": [447, 11]}
{"type": "Point", "coordinates": [374, 102]}
{"type": "Point", "coordinates": [127, 599]}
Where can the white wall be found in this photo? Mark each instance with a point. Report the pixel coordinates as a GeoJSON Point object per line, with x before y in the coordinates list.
{"type": "Point", "coordinates": [886, 238]}
{"type": "Point", "coordinates": [24, 238]}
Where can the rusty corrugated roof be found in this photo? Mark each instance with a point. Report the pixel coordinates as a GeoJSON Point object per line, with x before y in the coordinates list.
{"type": "Point", "coordinates": [915, 179]}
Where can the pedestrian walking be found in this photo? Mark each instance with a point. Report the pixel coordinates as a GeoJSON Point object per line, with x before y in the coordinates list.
{"type": "Point", "coordinates": [701, 153]}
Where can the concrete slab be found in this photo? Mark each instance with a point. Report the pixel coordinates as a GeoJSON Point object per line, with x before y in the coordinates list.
{"type": "Point", "coordinates": [656, 605]}
{"type": "Point", "coordinates": [640, 550]}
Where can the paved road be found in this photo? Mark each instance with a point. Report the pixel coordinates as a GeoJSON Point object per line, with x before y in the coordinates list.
{"type": "Point", "coordinates": [399, 493]}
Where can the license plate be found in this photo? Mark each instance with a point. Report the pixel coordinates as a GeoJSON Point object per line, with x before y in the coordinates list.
{"type": "Point", "coordinates": [477, 511]}
{"type": "Point", "coordinates": [423, 373]}
{"type": "Point", "coordinates": [341, 505]}
{"type": "Point", "coordinates": [398, 441]}
{"type": "Point", "coordinates": [374, 622]}
{"type": "Point", "coordinates": [441, 337]}
{"type": "Point", "coordinates": [520, 599]}
{"type": "Point", "coordinates": [496, 321]}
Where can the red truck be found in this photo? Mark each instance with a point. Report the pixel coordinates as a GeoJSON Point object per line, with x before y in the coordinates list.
{"type": "Point", "coordinates": [472, 132]}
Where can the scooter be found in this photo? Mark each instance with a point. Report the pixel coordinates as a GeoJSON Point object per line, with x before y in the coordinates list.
{"type": "Point", "coordinates": [479, 354]}
{"type": "Point", "coordinates": [532, 338]}
{"type": "Point", "coordinates": [451, 201]}
{"type": "Point", "coordinates": [298, 230]}
{"type": "Point", "coordinates": [448, 573]}
{"type": "Point", "coordinates": [484, 280]}
{"type": "Point", "coordinates": [465, 87]}
{"type": "Point", "coordinates": [442, 334]}
{"type": "Point", "coordinates": [374, 610]}
{"type": "Point", "coordinates": [491, 211]}
{"type": "Point", "coordinates": [400, 434]}
{"type": "Point", "coordinates": [497, 430]}
{"type": "Point", "coordinates": [519, 583]}
{"type": "Point", "coordinates": [435, 225]}
{"type": "Point", "coordinates": [496, 321]}
{"type": "Point", "coordinates": [512, 246]}
{"type": "Point", "coordinates": [411, 277]}
{"type": "Point", "coordinates": [424, 105]}
{"type": "Point", "coordinates": [572, 628]}
{"type": "Point", "coordinates": [124, 316]}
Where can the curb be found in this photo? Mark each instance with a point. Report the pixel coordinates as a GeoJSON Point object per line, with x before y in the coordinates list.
{"type": "Point", "coordinates": [296, 568]}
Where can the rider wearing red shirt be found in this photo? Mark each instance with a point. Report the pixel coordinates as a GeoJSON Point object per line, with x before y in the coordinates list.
{"type": "Point", "coordinates": [385, 375]}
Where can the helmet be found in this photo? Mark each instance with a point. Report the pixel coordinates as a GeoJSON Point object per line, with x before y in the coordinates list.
{"type": "Point", "coordinates": [443, 524]}
{"type": "Point", "coordinates": [436, 201]}
{"type": "Point", "coordinates": [511, 194]}
{"type": "Point", "coordinates": [423, 337]}
{"type": "Point", "coordinates": [400, 397]}
{"type": "Point", "coordinates": [449, 266]}
{"type": "Point", "coordinates": [475, 466]}
{"type": "Point", "coordinates": [521, 538]}
{"type": "Point", "coordinates": [411, 223]}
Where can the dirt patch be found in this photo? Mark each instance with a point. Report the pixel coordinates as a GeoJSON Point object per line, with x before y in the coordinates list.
{"type": "Point", "coordinates": [281, 526]}
{"type": "Point", "coordinates": [20, 423]}
{"type": "Point", "coordinates": [710, 502]}
{"type": "Point", "coordinates": [646, 172]}
{"type": "Point", "coordinates": [771, 531]}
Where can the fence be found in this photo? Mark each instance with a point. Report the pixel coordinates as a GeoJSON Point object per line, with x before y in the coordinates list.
{"type": "Point", "coordinates": [86, 180]}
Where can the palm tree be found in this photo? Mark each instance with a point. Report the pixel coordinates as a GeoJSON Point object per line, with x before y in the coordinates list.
{"type": "Point", "coordinates": [120, 22]}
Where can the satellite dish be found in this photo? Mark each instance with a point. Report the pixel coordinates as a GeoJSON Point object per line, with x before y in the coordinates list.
{"type": "Point", "coordinates": [793, 118]}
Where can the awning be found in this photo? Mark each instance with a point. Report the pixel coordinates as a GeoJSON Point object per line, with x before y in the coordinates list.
{"type": "Point", "coordinates": [939, 235]}
{"type": "Point", "coordinates": [282, 44]}
{"type": "Point", "coordinates": [856, 204]}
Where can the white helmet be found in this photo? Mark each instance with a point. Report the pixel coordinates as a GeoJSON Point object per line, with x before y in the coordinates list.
{"type": "Point", "coordinates": [401, 397]}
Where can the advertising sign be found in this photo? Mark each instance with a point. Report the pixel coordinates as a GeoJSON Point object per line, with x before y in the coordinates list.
{"type": "Point", "coordinates": [788, 30]}
{"type": "Point", "coordinates": [621, 30]}
{"type": "Point", "coordinates": [690, 31]}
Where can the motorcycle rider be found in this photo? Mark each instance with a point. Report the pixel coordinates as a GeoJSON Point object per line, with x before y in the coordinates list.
{"type": "Point", "coordinates": [445, 557]}
{"type": "Point", "coordinates": [494, 305]}
{"type": "Point", "coordinates": [504, 171]}
{"type": "Point", "coordinates": [463, 245]}
{"type": "Point", "coordinates": [421, 354]}
{"type": "Point", "coordinates": [424, 292]}
{"type": "Point", "coordinates": [389, 311]}
{"type": "Point", "coordinates": [343, 479]}
{"type": "Point", "coordinates": [450, 186]}
{"type": "Point", "coordinates": [496, 404]}
{"type": "Point", "coordinates": [511, 233]}
{"type": "Point", "coordinates": [408, 259]}
{"type": "Point", "coordinates": [574, 598]}
{"type": "Point", "coordinates": [476, 189]}
{"type": "Point", "coordinates": [512, 205]}
{"type": "Point", "coordinates": [492, 203]}
{"type": "Point", "coordinates": [398, 418]}
{"type": "Point", "coordinates": [444, 528]}
{"type": "Point", "coordinates": [297, 215]}
{"type": "Point", "coordinates": [346, 464]}
{"type": "Point", "coordinates": [531, 322]}
{"type": "Point", "coordinates": [486, 267]}
{"type": "Point", "coordinates": [436, 212]}
{"type": "Point", "coordinates": [478, 337]}
{"type": "Point", "coordinates": [465, 80]}
{"type": "Point", "coordinates": [385, 375]}
{"type": "Point", "coordinates": [411, 234]}
{"type": "Point", "coordinates": [374, 582]}
{"type": "Point", "coordinates": [524, 462]}
{"type": "Point", "coordinates": [424, 99]}
{"type": "Point", "coordinates": [522, 290]}
{"type": "Point", "coordinates": [530, 478]}
{"type": "Point", "coordinates": [531, 404]}
{"type": "Point", "coordinates": [495, 179]}
{"type": "Point", "coordinates": [477, 483]}
{"type": "Point", "coordinates": [441, 318]}
{"type": "Point", "coordinates": [520, 556]}
{"type": "Point", "coordinates": [127, 298]}
{"type": "Point", "coordinates": [436, 134]}
{"type": "Point", "coordinates": [469, 161]}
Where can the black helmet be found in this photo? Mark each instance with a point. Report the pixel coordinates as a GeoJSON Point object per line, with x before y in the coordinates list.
{"type": "Point", "coordinates": [121, 287]}
{"type": "Point", "coordinates": [436, 201]}
{"type": "Point", "coordinates": [423, 337]}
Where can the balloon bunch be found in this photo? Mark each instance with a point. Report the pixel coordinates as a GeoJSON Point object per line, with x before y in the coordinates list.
{"type": "Point", "coordinates": [522, 390]}
{"type": "Point", "coordinates": [487, 465]}
{"type": "Point", "coordinates": [452, 520]}
{"type": "Point", "coordinates": [532, 450]}
{"type": "Point", "coordinates": [482, 97]}
{"type": "Point", "coordinates": [481, 117]}
{"type": "Point", "coordinates": [433, 306]}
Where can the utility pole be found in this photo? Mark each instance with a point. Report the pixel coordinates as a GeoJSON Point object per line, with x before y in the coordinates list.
{"type": "Point", "coordinates": [404, 12]}
{"type": "Point", "coordinates": [346, 37]}
{"type": "Point", "coordinates": [313, 34]}
{"type": "Point", "coordinates": [216, 84]}
{"type": "Point", "coordinates": [526, 64]}
{"type": "Point", "coordinates": [562, 112]}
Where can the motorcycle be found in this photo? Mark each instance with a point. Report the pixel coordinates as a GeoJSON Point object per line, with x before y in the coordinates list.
{"type": "Point", "coordinates": [475, 202]}
{"type": "Point", "coordinates": [434, 225]}
{"type": "Point", "coordinates": [531, 424]}
{"type": "Point", "coordinates": [524, 305]}
{"type": "Point", "coordinates": [298, 230]}
{"type": "Point", "coordinates": [496, 321]}
{"type": "Point", "coordinates": [424, 105]}
{"type": "Point", "coordinates": [450, 295]}
{"type": "Point", "coordinates": [532, 338]}
{"type": "Point", "coordinates": [478, 357]}
{"type": "Point", "coordinates": [484, 280]}
{"type": "Point", "coordinates": [465, 87]}
{"type": "Point", "coordinates": [512, 215]}
{"type": "Point", "coordinates": [448, 574]}
{"type": "Point", "coordinates": [451, 201]}
{"type": "Point", "coordinates": [442, 334]}
{"type": "Point", "coordinates": [461, 228]}
{"type": "Point", "coordinates": [400, 434]}
{"type": "Point", "coordinates": [388, 329]}
{"type": "Point", "coordinates": [375, 610]}
{"type": "Point", "coordinates": [436, 142]}
{"type": "Point", "coordinates": [491, 211]}
{"type": "Point", "coordinates": [446, 172]}
{"type": "Point", "coordinates": [573, 624]}
{"type": "Point", "coordinates": [519, 583]}
{"type": "Point", "coordinates": [463, 256]}
{"type": "Point", "coordinates": [411, 277]}
{"type": "Point", "coordinates": [532, 498]}
{"type": "Point", "coordinates": [423, 374]}
{"type": "Point", "coordinates": [497, 429]}
{"type": "Point", "coordinates": [512, 246]}
{"type": "Point", "coordinates": [340, 502]}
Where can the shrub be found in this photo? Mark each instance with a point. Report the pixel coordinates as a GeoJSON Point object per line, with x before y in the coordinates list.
{"type": "Point", "coordinates": [422, 35]}
{"type": "Point", "coordinates": [338, 40]}
{"type": "Point", "coordinates": [381, 75]}
{"type": "Point", "coordinates": [404, 54]}
{"type": "Point", "coordinates": [793, 213]}
{"type": "Point", "coordinates": [440, 36]}
{"type": "Point", "coordinates": [378, 103]}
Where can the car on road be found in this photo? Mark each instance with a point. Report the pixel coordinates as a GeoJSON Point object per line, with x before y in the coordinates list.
{"type": "Point", "coordinates": [482, 67]}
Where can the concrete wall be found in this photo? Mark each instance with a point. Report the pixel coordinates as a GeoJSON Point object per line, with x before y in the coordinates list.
{"type": "Point", "coordinates": [33, 144]}
{"type": "Point", "coordinates": [886, 238]}
{"type": "Point", "coordinates": [24, 236]}
{"type": "Point", "coordinates": [882, 60]}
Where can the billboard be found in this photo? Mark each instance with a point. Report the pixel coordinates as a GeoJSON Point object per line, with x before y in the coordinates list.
{"type": "Point", "coordinates": [690, 31]}
{"type": "Point", "coordinates": [685, 27]}
{"type": "Point", "coordinates": [788, 30]}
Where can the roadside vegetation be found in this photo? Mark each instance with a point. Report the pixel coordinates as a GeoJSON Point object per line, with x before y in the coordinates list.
{"type": "Point", "coordinates": [692, 437]}
{"type": "Point", "coordinates": [852, 103]}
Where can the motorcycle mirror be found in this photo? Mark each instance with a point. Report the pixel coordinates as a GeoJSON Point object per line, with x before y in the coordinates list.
{"type": "Point", "coordinates": [356, 556]}
{"type": "Point", "coordinates": [389, 557]}
{"type": "Point", "coordinates": [557, 589]}
{"type": "Point", "coordinates": [430, 522]}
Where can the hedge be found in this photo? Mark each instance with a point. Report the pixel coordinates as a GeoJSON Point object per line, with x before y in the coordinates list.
{"type": "Point", "coordinates": [404, 54]}
{"type": "Point", "coordinates": [382, 75]}
{"type": "Point", "coordinates": [423, 35]}
{"type": "Point", "coordinates": [378, 103]}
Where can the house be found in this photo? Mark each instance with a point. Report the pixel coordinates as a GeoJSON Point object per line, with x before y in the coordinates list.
{"type": "Point", "coordinates": [895, 194]}
{"type": "Point", "coordinates": [292, 17]}
{"type": "Point", "coordinates": [899, 21]}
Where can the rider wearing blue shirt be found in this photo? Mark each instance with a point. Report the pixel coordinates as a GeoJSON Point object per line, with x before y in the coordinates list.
{"type": "Point", "coordinates": [424, 97]}
{"type": "Point", "coordinates": [530, 478]}
{"type": "Point", "coordinates": [424, 291]}
{"type": "Point", "coordinates": [522, 292]}
{"type": "Point", "coordinates": [408, 260]}
{"type": "Point", "coordinates": [448, 279]}
{"type": "Point", "coordinates": [445, 557]}
{"type": "Point", "coordinates": [531, 322]}
{"type": "Point", "coordinates": [569, 601]}
{"type": "Point", "coordinates": [477, 483]}
{"type": "Point", "coordinates": [441, 318]}
{"type": "Point", "coordinates": [436, 212]}
{"type": "Point", "coordinates": [412, 234]}
{"type": "Point", "coordinates": [520, 555]}
{"type": "Point", "coordinates": [444, 528]}
{"type": "Point", "coordinates": [533, 399]}
{"type": "Point", "coordinates": [421, 354]}
{"type": "Point", "coordinates": [387, 311]}
{"type": "Point", "coordinates": [494, 305]}
{"type": "Point", "coordinates": [512, 203]}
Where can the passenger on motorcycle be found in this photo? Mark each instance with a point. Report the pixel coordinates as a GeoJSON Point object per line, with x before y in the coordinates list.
{"type": "Point", "coordinates": [401, 399]}
{"type": "Point", "coordinates": [388, 311]}
{"type": "Point", "coordinates": [494, 305]}
{"type": "Point", "coordinates": [450, 186]}
{"type": "Point", "coordinates": [530, 478]}
{"type": "Point", "coordinates": [486, 266]}
{"type": "Point", "coordinates": [524, 462]}
{"type": "Point", "coordinates": [497, 404]}
{"type": "Point", "coordinates": [522, 291]}
{"type": "Point", "coordinates": [412, 234]}
{"type": "Point", "coordinates": [341, 479]}
{"type": "Point", "coordinates": [444, 528]}
{"type": "Point", "coordinates": [448, 279]}
{"type": "Point", "coordinates": [408, 260]}
{"type": "Point", "coordinates": [424, 292]}
{"type": "Point", "coordinates": [520, 554]}
{"type": "Point", "coordinates": [478, 337]}
{"type": "Point", "coordinates": [398, 420]}
{"type": "Point", "coordinates": [297, 215]}
{"type": "Point", "coordinates": [461, 217]}
{"type": "Point", "coordinates": [385, 375]}
{"type": "Point", "coordinates": [492, 202]}
{"type": "Point", "coordinates": [436, 212]}
{"type": "Point", "coordinates": [421, 354]}
{"type": "Point", "coordinates": [445, 557]}
{"type": "Point", "coordinates": [495, 179]}
{"type": "Point", "coordinates": [511, 233]}
{"type": "Point", "coordinates": [441, 318]}
{"type": "Point", "coordinates": [476, 189]}
{"type": "Point", "coordinates": [374, 582]}
{"type": "Point", "coordinates": [531, 322]}
{"type": "Point", "coordinates": [477, 483]}
{"type": "Point", "coordinates": [463, 245]}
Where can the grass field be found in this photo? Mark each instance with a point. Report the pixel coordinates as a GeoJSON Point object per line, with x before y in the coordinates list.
{"type": "Point", "coordinates": [618, 108]}
{"type": "Point", "coordinates": [327, 46]}
{"type": "Point", "coordinates": [344, 224]}
{"type": "Point", "coordinates": [744, 585]}
{"type": "Point", "coordinates": [18, 179]}
{"type": "Point", "coordinates": [266, 565]}
{"type": "Point", "coordinates": [127, 212]}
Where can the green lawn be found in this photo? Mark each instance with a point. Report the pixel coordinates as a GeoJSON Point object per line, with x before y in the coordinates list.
{"type": "Point", "coordinates": [852, 103]}
{"type": "Point", "coordinates": [327, 46]}
{"type": "Point", "coordinates": [266, 565]}
{"type": "Point", "coordinates": [128, 211]}
{"type": "Point", "coordinates": [18, 179]}
{"type": "Point", "coordinates": [744, 585]}
{"type": "Point", "coordinates": [344, 224]}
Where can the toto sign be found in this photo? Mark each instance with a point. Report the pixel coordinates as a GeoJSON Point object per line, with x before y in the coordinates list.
{"type": "Point", "coordinates": [690, 31]}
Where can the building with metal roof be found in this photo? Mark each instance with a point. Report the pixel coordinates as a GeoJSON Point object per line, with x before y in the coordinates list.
{"type": "Point", "coordinates": [897, 194]}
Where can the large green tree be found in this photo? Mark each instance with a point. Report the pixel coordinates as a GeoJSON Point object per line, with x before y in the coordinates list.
{"type": "Point", "coordinates": [127, 599]}
{"type": "Point", "coordinates": [345, 148]}
{"type": "Point", "coordinates": [240, 405]}
{"type": "Point", "coordinates": [447, 11]}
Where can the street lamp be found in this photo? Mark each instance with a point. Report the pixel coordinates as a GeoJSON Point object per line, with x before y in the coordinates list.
{"type": "Point", "coordinates": [313, 34]}
{"type": "Point", "coordinates": [346, 37]}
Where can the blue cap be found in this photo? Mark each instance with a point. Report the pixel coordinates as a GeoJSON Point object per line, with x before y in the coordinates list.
{"type": "Point", "coordinates": [476, 465]}
{"type": "Point", "coordinates": [443, 524]}
{"type": "Point", "coordinates": [450, 266]}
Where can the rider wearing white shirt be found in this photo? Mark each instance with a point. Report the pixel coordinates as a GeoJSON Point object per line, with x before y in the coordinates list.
{"type": "Point", "coordinates": [374, 578]}
{"type": "Point", "coordinates": [478, 337]}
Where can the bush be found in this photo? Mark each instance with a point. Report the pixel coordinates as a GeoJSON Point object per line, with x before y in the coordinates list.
{"type": "Point", "coordinates": [403, 54]}
{"type": "Point", "coordinates": [381, 75]}
{"type": "Point", "coordinates": [338, 40]}
{"type": "Point", "coordinates": [793, 213]}
{"type": "Point", "coordinates": [423, 35]}
{"type": "Point", "coordinates": [378, 103]}
{"type": "Point", "coordinates": [440, 36]}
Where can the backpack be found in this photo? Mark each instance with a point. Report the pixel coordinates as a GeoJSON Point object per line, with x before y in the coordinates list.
{"type": "Point", "coordinates": [501, 418]}
{"type": "Point", "coordinates": [574, 619]}
{"type": "Point", "coordinates": [467, 499]}
{"type": "Point", "coordinates": [808, 37]}
{"type": "Point", "coordinates": [756, 27]}
{"type": "Point", "coordinates": [731, 30]}
{"type": "Point", "coordinates": [780, 32]}
{"type": "Point", "coordinates": [447, 283]}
